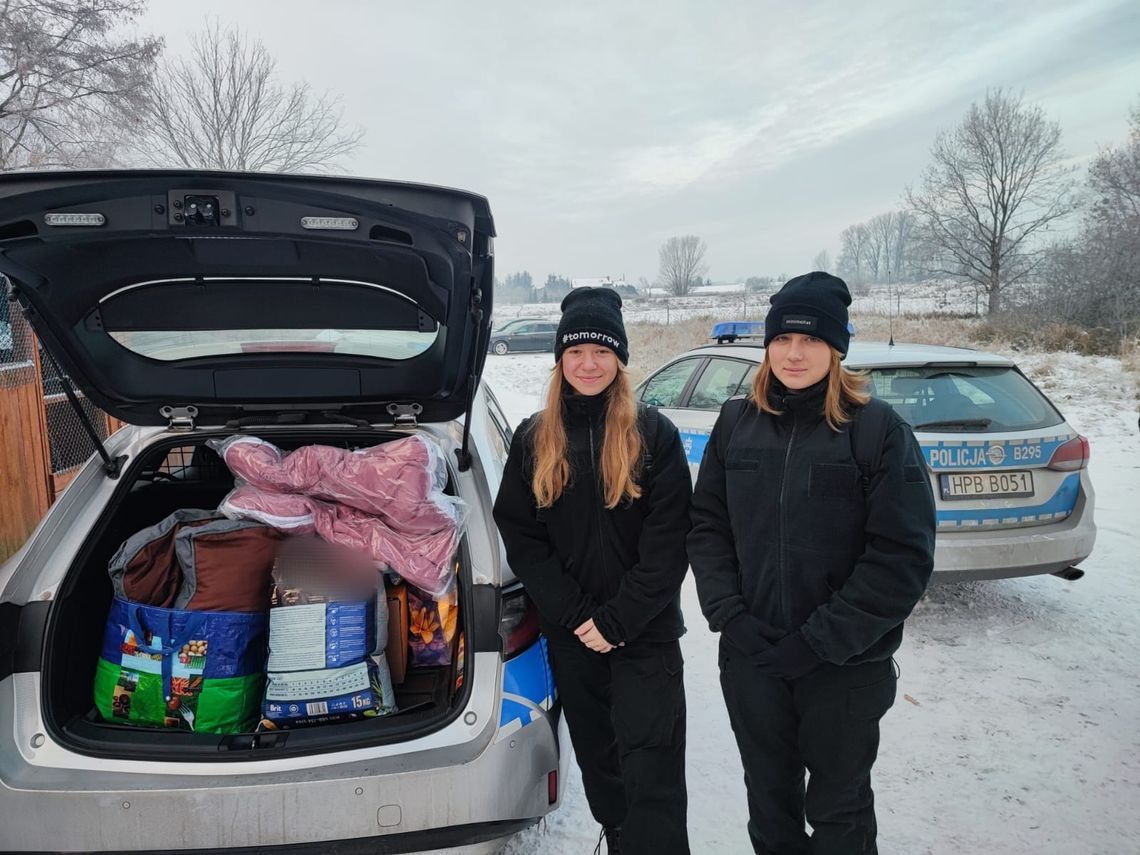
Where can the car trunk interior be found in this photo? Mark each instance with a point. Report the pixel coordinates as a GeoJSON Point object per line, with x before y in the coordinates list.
{"type": "Point", "coordinates": [170, 475]}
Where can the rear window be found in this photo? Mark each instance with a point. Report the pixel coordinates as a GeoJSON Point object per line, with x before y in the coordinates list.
{"type": "Point", "coordinates": [964, 399]}
{"type": "Point", "coordinates": [169, 346]}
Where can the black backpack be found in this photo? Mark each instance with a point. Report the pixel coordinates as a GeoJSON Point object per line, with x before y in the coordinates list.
{"type": "Point", "coordinates": [867, 431]}
{"type": "Point", "coordinates": [647, 422]}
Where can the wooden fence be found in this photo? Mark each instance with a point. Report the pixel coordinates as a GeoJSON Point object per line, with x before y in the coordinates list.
{"type": "Point", "coordinates": [25, 459]}
{"type": "Point", "coordinates": [42, 444]}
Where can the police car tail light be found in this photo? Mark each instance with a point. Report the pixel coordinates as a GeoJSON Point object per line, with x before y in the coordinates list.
{"type": "Point", "coordinates": [1071, 456]}
{"type": "Point", "coordinates": [519, 624]}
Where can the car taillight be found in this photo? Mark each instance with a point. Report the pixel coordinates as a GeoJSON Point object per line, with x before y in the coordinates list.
{"type": "Point", "coordinates": [1073, 455]}
{"type": "Point", "coordinates": [552, 787]}
{"type": "Point", "coordinates": [519, 624]}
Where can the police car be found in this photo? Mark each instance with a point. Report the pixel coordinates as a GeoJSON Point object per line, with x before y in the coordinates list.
{"type": "Point", "coordinates": [1010, 476]}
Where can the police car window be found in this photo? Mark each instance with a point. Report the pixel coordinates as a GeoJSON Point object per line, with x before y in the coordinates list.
{"type": "Point", "coordinates": [746, 383]}
{"type": "Point", "coordinates": [718, 382]}
{"type": "Point", "coordinates": [1000, 397]}
{"type": "Point", "coordinates": [665, 387]}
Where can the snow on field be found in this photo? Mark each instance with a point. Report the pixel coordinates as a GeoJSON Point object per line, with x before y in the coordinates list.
{"type": "Point", "coordinates": [730, 302]}
{"type": "Point", "coordinates": [1017, 724]}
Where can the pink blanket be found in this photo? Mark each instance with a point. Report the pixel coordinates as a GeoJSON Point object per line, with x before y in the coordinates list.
{"type": "Point", "coordinates": [401, 481]}
{"type": "Point", "coordinates": [423, 559]}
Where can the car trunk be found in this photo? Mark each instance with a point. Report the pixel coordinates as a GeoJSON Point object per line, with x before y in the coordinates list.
{"type": "Point", "coordinates": [179, 473]}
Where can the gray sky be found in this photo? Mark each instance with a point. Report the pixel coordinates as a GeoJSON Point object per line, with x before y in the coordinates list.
{"type": "Point", "coordinates": [600, 129]}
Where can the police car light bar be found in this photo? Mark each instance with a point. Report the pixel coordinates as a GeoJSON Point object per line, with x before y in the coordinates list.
{"type": "Point", "coordinates": [734, 330]}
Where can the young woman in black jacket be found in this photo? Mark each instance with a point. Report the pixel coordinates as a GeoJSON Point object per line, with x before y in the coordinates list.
{"type": "Point", "coordinates": [808, 567]}
{"type": "Point", "coordinates": [594, 509]}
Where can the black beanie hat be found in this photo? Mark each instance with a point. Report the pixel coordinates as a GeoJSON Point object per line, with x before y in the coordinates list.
{"type": "Point", "coordinates": [812, 304]}
{"type": "Point", "coordinates": [592, 316]}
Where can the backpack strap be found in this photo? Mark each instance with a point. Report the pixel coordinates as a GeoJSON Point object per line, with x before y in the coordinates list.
{"type": "Point", "coordinates": [868, 433]}
{"type": "Point", "coordinates": [647, 417]}
{"type": "Point", "coordinates": [732, 420]}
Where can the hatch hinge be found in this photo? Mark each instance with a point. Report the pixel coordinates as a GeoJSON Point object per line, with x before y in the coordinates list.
{"type": "Point", "coordinates": [404, 414]}
{"type": "Point", "coordinates": [180, 419]}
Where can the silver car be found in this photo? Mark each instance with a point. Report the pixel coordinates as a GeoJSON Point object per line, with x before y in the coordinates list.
{"type": "Point", "coordinates": [1010, 476]}
{"type": "Point", "coordinates": [302, 310]}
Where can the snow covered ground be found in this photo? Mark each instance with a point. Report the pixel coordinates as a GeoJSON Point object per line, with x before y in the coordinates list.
{"type": "Point", "coordinates": [1017, 724]}
{"type": "Point", "coordinates": [730, 302]}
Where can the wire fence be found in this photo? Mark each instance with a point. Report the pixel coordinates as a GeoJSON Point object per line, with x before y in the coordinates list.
{"type": "Point", "coordinates": [20, 351]}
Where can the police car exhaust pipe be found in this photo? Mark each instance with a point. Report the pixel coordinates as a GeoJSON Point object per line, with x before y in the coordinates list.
{"type": "Point", "coordinates": [1070, 574]}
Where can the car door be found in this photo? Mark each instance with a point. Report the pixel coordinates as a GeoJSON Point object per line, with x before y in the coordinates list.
{"type": "Point", "coordinates": [523, 338]}
{"type": "Point", "coordinates": [545, 336]}
{"type": "Point", "coordinates": [667, 390]}
{"type": "Point", "coordinates": [718, 380]}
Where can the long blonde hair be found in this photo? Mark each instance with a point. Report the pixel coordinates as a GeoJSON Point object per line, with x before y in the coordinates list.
{"type": "Point", "coordinates": [621, 448]}
{"type": "Point", "coordinates": [844, 389]}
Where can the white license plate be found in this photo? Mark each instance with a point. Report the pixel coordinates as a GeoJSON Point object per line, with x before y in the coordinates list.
{"type": "Point", "coordinates": [986, 485]}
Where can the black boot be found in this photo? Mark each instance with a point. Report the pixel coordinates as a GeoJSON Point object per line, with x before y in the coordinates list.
{"type": "Point", "coordinates": [612, 836]}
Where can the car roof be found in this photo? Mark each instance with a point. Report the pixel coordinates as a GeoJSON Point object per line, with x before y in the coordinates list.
{"type": "Point", "coordinates": [873, 354]}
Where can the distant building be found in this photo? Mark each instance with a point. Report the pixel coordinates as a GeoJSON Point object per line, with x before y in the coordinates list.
{"type": "Point", "coordinates": [599, 282]}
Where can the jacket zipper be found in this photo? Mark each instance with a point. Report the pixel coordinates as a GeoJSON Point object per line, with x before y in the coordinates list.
{"type": "Point", "coordinates": [782, 588]}
{"type": "Point", "coordinates": [598, 516]}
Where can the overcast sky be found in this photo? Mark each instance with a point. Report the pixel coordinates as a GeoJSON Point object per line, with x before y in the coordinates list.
{"type": "Point", "coordinates": [600, 129]}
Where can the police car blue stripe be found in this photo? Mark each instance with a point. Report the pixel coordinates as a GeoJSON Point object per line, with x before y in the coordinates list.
{"type": "Point", "coordinates": [527, 676]}
{"type": "Point", "coordinates": [1059, 505]}
{"type": "Point", "coordinates": [694, 442]}
{"type": "Point", "coordinates": [990, 454]}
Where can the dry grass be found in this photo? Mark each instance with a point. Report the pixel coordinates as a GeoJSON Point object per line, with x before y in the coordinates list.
{"type": "Point", "coordinates": [916, 329]}
{"type": "Point", "coordinates": [652, 344]}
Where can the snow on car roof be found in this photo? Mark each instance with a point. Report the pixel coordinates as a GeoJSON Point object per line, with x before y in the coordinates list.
{"type": "Point", "coordinates": [874, 354]}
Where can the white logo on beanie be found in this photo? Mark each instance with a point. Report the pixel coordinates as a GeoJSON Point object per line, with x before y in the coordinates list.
{"type": "Point", "coordinates": [607, 340]}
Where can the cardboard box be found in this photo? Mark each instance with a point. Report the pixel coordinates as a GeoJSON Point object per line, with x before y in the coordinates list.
{"type": "Point", "coordinates": [397, 649]}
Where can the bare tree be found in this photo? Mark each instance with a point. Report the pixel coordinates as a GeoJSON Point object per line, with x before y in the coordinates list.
{"type": "Point", "coordinates": [855, 242]}
{"type": "Point", "coordinates": [1095, 280]}
{"type": "Point", "coordinates": [223, 108]}
{"type": "Point", "coordinates": [1114, 179]}
{"type": "Point", "coordinates": [822, 260]}
{"type": "Point", "coordinates": [900, 243]}
{"type": "Point", "coordinates": [995, 183]}
{"type": "Point", "coordinates": [883, 236]}
{"type": "Point", "coordinates": [67, 80]}
{"type": "Point", "coordinates": [682, 264]}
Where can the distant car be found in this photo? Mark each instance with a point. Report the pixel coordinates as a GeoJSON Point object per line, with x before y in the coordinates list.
{"type": "Point", "coordinates": [192, 329]}
{"type": "Point", "coordinates": [523, 335]}
{"type": "Point", "coordinates": [1010, 476]}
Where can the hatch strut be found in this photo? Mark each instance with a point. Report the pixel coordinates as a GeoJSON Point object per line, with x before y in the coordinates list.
{"type": "Point", "coordinates": [111, 467]}
{"type": "Point", "coordinates": [463, 453]}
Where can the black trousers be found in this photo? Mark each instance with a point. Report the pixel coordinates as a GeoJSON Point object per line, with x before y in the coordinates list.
{"type": "Point", "coordinates": [826, 723]}
{"type": "Point", "coordinates": [626, 714]}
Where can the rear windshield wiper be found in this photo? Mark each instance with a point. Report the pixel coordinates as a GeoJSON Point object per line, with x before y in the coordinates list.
{"type": "Point", "coordinates": [955, 423]}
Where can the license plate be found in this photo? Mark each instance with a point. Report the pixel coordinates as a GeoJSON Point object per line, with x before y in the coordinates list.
{"type": "Point", "coordinates": [987, 485]}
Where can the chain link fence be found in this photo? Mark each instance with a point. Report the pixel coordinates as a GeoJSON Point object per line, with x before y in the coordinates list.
{"type": "Point", "coordinates": [68, 443]}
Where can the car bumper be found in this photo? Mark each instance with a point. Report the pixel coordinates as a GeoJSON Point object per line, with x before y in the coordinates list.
{"type": "Point", "coordinates": [1007, 553]}
{"type": "Point", "coordinates": [463, 785]}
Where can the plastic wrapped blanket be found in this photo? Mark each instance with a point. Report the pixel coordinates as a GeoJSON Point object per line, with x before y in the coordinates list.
{"type": "Point", "coordinates": [423, 559]}
{"type": "Point", "coordinates": [401, 481]}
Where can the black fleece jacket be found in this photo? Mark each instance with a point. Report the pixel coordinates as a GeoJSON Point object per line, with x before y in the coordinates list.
{"type": "Point", "coordinates": [785, 541]}
{"type": "Point", "coordinates": [624, 566]}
